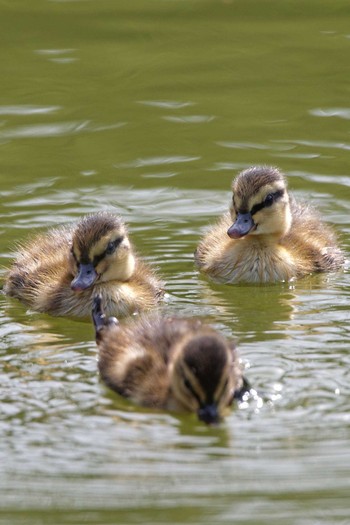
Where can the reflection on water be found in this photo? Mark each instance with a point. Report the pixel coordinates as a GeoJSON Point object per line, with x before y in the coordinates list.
{"type": "Point", "coordinates": [150, 109]}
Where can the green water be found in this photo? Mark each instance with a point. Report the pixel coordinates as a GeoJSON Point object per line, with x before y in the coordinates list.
{"type": "Point", "coordinates": [150, 108]}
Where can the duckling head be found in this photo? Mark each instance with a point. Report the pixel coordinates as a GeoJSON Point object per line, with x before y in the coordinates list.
{"type": "Point", "coordinates": [260, 203]}
{"type": "Point", "coordinates": [203, 375]}
{"type": "Point", "coordinates": [100, 251]}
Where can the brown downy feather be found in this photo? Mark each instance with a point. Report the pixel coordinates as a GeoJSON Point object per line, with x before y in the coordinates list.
{"type": "Point", "coordinates": [287, 239]}
{"type": "Point", "coordinates": [43, 271]}
{"type": "Point", "coordinates": [170, 363]}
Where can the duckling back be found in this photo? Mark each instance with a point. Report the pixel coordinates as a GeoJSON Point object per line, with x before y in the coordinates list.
{"type": "Point", "coordinates": [134, 358]}
{"type": "Point", "coordinates": [40, 268]}
{"type": "Point", "coordinates": [172, 363]}
{"type": "Point", "coordinates": [314, 243]}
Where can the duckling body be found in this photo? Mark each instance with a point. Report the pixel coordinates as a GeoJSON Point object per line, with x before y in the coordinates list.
{"type": "Point", "coordinates": [267, 236]}
{"type": "Point", "coordinates": [168, 363]}
{"type": "Point", "coordinates": [59, 272]}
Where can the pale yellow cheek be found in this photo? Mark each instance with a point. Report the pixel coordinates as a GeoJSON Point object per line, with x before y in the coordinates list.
{"type": "Point", "coordinates": [270, 221]}
{"type": "Point", "coordinates": [101, 267]}
{"type": "Point", "coordinates": [122, 252]}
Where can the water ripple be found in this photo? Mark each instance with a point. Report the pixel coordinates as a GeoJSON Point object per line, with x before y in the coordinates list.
{"type": "Point", "coordinates": [156, 161]}
{"type": "Point", "coordinates": [190, 119]}
{"type": "Point", "coordinates": [55, 129]}
{"type": "Point", "coordinates": [28, 110]}
{"type": "Point", "coordinates": [166, 104]}
{"type": "Point", "coordinates": [54, 52]}
{"type": "Point", "coordinates": [242, 145]}
{"type": "Point", "coordinates": [317, 143]}
{"type": "Point", "coordinates": [342, 180]}
{"type": "Point", "coordinates": [222, 166]}
{"type": "Point", "coordinates": [343, 113]}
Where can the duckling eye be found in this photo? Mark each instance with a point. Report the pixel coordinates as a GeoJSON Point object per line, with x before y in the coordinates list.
{"type": "Point", "coordinates": [269, 199]}
{"type": "Point", "coordinates": [110, 248]}
{"type": "Point", "coordinates": [112, 245]}
{"type": "Point", "coordinates": [188, 385]}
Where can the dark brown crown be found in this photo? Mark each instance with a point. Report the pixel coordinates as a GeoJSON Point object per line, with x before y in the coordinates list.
{"type": "Point", "coordinates": [252, 179]}
{"type": "Point", "coordinates": [92, 228]}
{"type": "Point", "coordinates": [207, 356]}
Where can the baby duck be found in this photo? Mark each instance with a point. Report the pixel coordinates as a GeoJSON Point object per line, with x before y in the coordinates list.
{"type": "Point", "coordinates": [267, 236]}
{"type": "Point", "coordinates": [169, 363]}
{"type": "Point", "coordinates": [60, 271]}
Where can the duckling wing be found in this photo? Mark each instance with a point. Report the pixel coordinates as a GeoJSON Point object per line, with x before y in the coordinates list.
{"type": "Point", "coordinates": [130, 362]}
{"type": "Point", "coordinates": [312, 240]}
{"type": "Point", "coordinates": [211, 247]}
{"type": "Point", "coordinates": [40, 265]}
{"type": "Point", "coordinates": [331, 259]}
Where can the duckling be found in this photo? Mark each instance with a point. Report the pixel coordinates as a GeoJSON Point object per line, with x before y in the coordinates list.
{"type": "Point", "coordinates": [169, 363]}
{"type": "Point", "coordinates": [60, 271]}
{"type": "Point", "coordinates": [267, 236]}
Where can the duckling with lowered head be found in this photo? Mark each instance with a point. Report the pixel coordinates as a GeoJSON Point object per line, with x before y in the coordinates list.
{"type": "Point", "coordinates": [267, 236]}
{"type": "Point", "coordinates": [59, 272]}
{"type": "Point", "coordinates": [169, 363]}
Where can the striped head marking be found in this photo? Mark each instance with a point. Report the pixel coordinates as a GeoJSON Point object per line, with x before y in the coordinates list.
{"type": "Point", "coordinates": [100, 250]}
{"type": "Point", "coordinates": [260, 203]}
{"type": "Point", "coordinates": [203, 381]}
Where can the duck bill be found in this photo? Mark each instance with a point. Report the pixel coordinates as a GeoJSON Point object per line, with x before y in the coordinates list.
{"type": "Point", "coordinates": [85, 279]}
{"type": "Point", "coordinates": [209, 414]}
{"type": "Point", "coordinates": [242, 226]}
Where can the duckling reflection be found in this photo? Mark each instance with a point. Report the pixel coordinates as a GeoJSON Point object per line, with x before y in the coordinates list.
{"type": "Point", "coordinates": [252, 315]}
{"type": "Point", "coordinates": [267, 236]}
{"type": "Point", "coordinates": [60, 271]}
{"type": "Point", "coordinates": [170, 363]}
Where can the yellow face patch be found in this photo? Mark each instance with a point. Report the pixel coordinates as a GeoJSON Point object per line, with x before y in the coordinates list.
{"type": "Point", "coordinates": [100, 247]}
{"type": "Point", "coordinates": [264, 191]}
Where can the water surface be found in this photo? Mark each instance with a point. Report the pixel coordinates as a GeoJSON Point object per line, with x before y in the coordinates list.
{"type": "Point", "coordinates": [150, 109]}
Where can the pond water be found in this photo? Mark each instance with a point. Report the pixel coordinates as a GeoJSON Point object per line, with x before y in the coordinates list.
{"type": "Point", "coordinates": [150, 108]}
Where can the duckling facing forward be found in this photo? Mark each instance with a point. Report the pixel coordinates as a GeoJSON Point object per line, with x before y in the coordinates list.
{"type": "Point", "coordinates": [169, 363]}
{"type": "Point", "coordinates": [59, 272]}
{"type": "Point", "coordinates": [267, 236]}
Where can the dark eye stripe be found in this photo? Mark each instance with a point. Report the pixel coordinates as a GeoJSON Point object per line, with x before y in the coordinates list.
{"type": "Point", "coordinates": [111, 247]}
{"type": "Point", "coordinates": [222, 390]}
{"type": "Point", "coordinates": [190, 388]}
{"type": "Point", "coordinates": [257, 207]}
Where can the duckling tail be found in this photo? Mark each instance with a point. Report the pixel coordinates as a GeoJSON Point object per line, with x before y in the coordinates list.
{"type": "Point", "coordinates": [99, 318]}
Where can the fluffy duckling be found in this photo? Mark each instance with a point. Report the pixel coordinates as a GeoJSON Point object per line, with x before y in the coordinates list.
{"type": "Point", "coordinates": [59, 272]}
{"type": "Point", "coordinates": [169, 363]}
{"type": "Point", "coordinates": [267, 236]}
